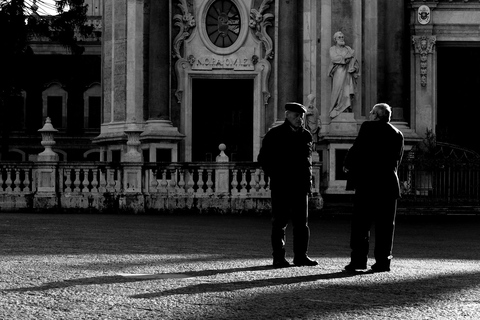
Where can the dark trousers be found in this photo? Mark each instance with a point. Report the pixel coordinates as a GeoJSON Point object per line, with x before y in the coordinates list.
{"type": "Point", "coordinates": [288, 206]}
{"type": "Point", "coordinates": [373, 209]}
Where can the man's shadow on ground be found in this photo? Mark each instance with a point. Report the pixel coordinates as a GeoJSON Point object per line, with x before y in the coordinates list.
{"type": "Point", "coordinates": [248, 284]}
{"type": "Point", "coordinates": [215, 287]}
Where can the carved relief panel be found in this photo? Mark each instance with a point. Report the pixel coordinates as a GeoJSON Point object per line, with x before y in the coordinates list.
{"type": "Point", "coordinates": [223, 36]}
{"type": "Point", "coordinates": [222, 39]}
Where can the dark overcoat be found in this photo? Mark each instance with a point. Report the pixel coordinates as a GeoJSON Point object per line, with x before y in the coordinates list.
{"type": "Point", "coordinates": [286, 158]}
{"type": "Point", "coordinates": [373, 160]}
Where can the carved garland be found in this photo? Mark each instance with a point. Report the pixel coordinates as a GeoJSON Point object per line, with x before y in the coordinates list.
{"type": "Point", "coordinates": [259, 23]}
{"type": "Point", "coordinates": [423, 45]}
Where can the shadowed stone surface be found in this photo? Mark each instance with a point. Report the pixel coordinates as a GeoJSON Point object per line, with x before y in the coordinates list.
{"type": "Point", "coordinates": [218, 267]}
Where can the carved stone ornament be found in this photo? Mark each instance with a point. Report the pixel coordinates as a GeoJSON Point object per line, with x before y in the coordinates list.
{"type": "Point", "coordinates": [186, 22]}
{"type": "Point", "coordinates": [259, 23]}
{"type": "Point", "coordinates": [423, 14]}
{"type": "Point", "coordinates": [423, 45]}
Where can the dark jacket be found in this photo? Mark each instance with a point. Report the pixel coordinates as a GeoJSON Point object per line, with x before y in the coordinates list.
{"type": "Point", "coordinates": [285, 157]}
{"type": "Point", "coordinates": [374, 158]}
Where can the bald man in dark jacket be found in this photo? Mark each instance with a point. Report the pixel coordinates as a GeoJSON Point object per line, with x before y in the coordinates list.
{"type": "Point", "coordinates": [371, 165]}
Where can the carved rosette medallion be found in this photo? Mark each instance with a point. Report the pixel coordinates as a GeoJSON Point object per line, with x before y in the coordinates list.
{"type": "Point", "coordinates": [423, 46]}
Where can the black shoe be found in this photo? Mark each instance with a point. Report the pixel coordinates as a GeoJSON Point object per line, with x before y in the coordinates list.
{"type": "Point", "coordinates": [281, 263]}
{"type": "Point", "coordinates": [354, 267]}
{"type": "Point", "coordinates": [380, 267]}
{"type": "Point", "coordinates": [305, 261]}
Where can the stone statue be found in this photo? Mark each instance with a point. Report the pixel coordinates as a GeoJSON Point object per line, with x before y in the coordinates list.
{"type": "Point", "coordinates": [312, 119]}
{"type": "Point", "coordinates": [344, 70]}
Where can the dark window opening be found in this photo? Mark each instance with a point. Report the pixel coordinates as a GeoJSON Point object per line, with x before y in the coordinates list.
{"type": "Point", "coordinates": [94, 112]}
{"type": "Point", "coordinates": [54, 110]}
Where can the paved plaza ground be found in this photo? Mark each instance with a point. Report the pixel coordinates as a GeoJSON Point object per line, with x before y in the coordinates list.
{"type": "Point", "coordinates": [217, 267]}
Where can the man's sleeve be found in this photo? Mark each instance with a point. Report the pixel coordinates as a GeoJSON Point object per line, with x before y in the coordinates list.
{"type": "Point", "coordinates": [265, 154]}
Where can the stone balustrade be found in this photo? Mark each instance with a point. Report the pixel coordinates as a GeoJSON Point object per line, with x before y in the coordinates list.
{"type": "Point", "coordinates": [16, 178]}
{"type": "Point", "coordinates": [225, 187]}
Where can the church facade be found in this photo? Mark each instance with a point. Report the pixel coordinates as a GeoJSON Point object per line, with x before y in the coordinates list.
{"type": "Point", "coordinates": [185, 76]}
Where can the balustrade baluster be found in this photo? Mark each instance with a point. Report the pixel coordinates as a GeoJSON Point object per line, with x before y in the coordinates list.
{"type": "Point", "coordinates": [153, 180]}
{"type": "Point", "coordinates": [200, 182]}
{"type": "Point", "coordinates": [68, 182]}
{"type": "Point", "coordinates": [103, 181]}
{"type": "Point", "coordinates": [1, 179]}
{"type": "Point", "coordinates": [262, 182]}
{"type": "Point", "coordinates": [209, 181]}
{"type": "Point", "coordinates": [85, 182]}
{"type": "Point", "coordinates": [111, 180]}
{"type": "Point", "coordinates": [243, 182]}
{"type": "Point", "coordinates": [8, 182]}
{"type": "Point", "coordinates": [234, 182]}
{"type": "Point", "coordinates": [172, 186]}
{"type": "Point", "coordinates": [16, 183]}
{"type": "Point", "coordinates": [163, 182]}
{"type": "Point", "coordinates": [181, 183]}
{"type": "Point", "coordinates": [190, 182]}
{"type": "Point", "coordinates": [26, 181]}
{"type": "Point", "coordinates": [76, 181]}
{"type": "Point", "coordinates": [253, 183]}
{"type": "Point", "coordinates": [94, 180]}
{"type": "Point", "coordinates": [117, 183]}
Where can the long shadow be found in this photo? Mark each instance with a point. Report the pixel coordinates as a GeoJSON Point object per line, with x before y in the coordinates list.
{"type": "Point", "coordinates": [241, 285]}
{"type": "Point", "coordinates": [326, 300]}
{"type": "Point", "coordinates": [133, 278]}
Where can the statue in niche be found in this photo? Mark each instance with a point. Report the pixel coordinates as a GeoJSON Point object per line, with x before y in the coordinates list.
{"type": "Point", "coordinates": [344, 71]}
{"type": "Point", "coordinates": [312, 119]}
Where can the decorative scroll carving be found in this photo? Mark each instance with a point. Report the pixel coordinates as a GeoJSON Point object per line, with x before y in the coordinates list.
{"type": "Point", "coordinates": [259, 23]}
{"type": "Point", "coordinates": [264, 67]}
{"type": "Point", "coordinates": [186, 22]}
{"type": "Point", "coordinates": [182, 66]}
{"type": "Point", "coordinates": [423, 45]}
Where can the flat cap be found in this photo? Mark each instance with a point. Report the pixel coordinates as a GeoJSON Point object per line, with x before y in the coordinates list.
{"type": "Point", "coordinates": [295, 107]}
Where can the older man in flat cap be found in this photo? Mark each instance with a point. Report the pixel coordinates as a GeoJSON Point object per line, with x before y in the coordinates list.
{"type": "Point", "coordinates": [285, 157]}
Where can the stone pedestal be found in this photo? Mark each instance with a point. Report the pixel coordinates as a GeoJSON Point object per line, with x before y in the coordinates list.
{"type": "Point", "coordinates": [222, 177]}
{"type": "Point", "coordinates": [161, 134]}
{"type": "Point", "coordinates": [45, 197]}
{"type": "Point", "coordinates": [132, 178]}
{"type": "Point", "coordinates": [343, 124]}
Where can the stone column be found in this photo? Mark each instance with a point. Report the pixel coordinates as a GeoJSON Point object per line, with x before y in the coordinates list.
{"type": "Point", "coordinates": [122, 69]}
{"type": "Point", "coordinates": [370, 70]}
{"type": "Point", "coordinates": [159, 61]}
{"type": "Point", "coordinates": [326, 33]}
{"type": "Point", "coordinates": [159, 131]}
{"type": "Point", "coordinates": [287, 56]}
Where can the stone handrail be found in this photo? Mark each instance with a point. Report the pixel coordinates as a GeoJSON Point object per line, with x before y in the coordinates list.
{"type": "Point", "coordinates": [137, 187]}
